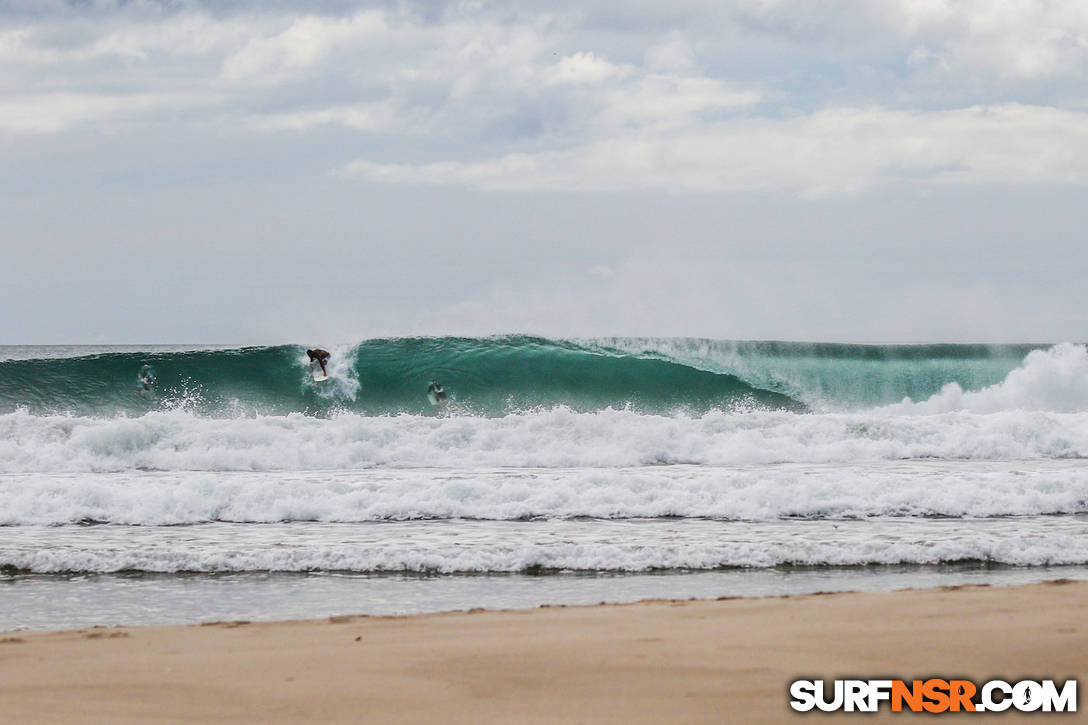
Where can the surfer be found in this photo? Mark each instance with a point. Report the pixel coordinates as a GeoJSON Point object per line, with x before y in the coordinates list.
{"type": "Point", "coordinates": [321, 357]}
{"type": "Point", "coordinates": [146, 380]}
{"type": "Point", "coordinates": [436, 394]}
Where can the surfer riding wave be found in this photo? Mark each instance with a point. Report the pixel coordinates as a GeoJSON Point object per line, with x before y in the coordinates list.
{"type": "Point", "coordinates": [321, 357]}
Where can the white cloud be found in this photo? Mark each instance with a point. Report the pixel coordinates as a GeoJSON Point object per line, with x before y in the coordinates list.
{"type": "Point", "coordinates": [16, 48]}
{"type": "Point", "coordinates": [47, 113]}
{"type": "Point", "coordinates": [584, 69]}
{"type": "Point", "coordinates": [187, 35]}
{"type": "Point", "coordinates": [672, 56]}
{"type": "Point", "coordinates": [582, 110]}
{"type": "Point", "coordinates": [305, 43]}
{"type": "Point", "coordinates": [657, 98]}
{"type": "Point", "coordinates": [378, 117]}
{"type": "Point", "coordinates": [830, 152]}
{"type": "Point", "coordinates": [1019, 39]}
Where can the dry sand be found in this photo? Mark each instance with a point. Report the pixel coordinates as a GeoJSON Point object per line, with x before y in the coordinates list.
{"type": "Point", "coordinates": [653, 662]}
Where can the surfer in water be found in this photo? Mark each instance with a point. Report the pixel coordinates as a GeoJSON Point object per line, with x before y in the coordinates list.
{"type": "Point", "coordinates": [436, 394]}
{"type": "Point", "coordinates": [321, 356]}
{"type": "Point", "coordinates": [146, 380]}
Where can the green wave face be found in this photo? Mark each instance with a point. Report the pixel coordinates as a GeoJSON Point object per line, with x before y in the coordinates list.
{"type": "Point", "coordinates": [486, 376]}
{"type": "Point", "coordinates": [834, 376]}
{"type": "Point", "coordinates": [109, 383]}
{"type": "Point", "coordinates": [498, 375]}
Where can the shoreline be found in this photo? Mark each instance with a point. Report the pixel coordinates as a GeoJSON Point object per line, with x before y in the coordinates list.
{"type": "Point", "coordinates": [653, 661]}
{"type": "Point", "coordinates": [112, 600]}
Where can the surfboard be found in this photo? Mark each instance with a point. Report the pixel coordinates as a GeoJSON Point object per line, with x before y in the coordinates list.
{"type": "Point", "coordinates": [315, 370]}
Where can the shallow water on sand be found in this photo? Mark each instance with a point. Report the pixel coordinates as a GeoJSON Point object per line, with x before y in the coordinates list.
{"type": "Point", "coordinates": [78, 576]}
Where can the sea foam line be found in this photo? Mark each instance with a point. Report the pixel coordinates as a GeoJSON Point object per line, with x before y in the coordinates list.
{"type": "Point", "coordinates": [738, 493]}
{"type": "Point", "coordinates": [554, 438]}
{"type": "Point", "coordinates": [490, 554]}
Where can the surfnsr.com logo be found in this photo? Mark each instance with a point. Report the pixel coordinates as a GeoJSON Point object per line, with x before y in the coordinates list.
{"type": "Point", "coordinates": [933, 695]}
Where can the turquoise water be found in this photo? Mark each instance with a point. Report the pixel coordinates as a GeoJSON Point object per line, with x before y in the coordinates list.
{"type": "Point", "coordinates": [495, 376]}
{"type": "Point", "coordinates": [562, 471]}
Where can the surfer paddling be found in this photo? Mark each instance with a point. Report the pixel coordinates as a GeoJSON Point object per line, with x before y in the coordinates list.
{"type": "Point", "coordinates": [321, 357]}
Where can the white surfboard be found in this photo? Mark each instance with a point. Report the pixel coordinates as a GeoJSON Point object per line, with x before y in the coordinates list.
{"type": "Point", "coordinates": [315, 370]}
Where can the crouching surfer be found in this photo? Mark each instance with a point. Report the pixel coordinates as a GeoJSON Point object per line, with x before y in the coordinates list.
{"type": "Point", "coordinates": [436, 394]}
{"type": "Point", "coordinates": [321, 357]}
{"type": "Point", "coordinates": [145, 381]}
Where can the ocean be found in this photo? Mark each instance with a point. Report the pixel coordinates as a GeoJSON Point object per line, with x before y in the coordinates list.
{"type": "Point", "coordinates": [234, 487]}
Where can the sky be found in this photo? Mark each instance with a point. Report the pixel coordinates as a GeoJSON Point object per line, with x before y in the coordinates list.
{"type": "Point", "coordinates": [183, 171]}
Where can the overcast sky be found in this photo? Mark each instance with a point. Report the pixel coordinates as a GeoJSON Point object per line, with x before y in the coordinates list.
{"type": "Point", "coordinates": [841, 170]}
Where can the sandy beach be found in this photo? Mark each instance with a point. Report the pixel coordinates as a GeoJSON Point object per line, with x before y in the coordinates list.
{"type": "Point", "coordinates": [650, 662]}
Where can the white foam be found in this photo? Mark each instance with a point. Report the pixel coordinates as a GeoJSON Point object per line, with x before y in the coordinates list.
{"type": "Point", "coordinates": [179, 440]}
{"type": "Point", "coordinates": [512, 547]}
{"type": "Point", "coordinates": [343, 383]}
{"type": "Point", "coordinates": [1053, 380]}
{"type": "Point", "coordinates": [748, 493]}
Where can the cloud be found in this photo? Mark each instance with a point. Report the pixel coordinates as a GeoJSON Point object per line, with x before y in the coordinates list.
{"type": "Point", "coordinates": [584, 69]}
{"type": "Point", "coordinates": [830, 152]}
{"type": "Point", "coordinates": [773, 167]}
{"type": "Point", "coordinates": [307, 42]}
{"type": "Point", "coordinates": [573, 99]}
{"type": "Point", "coordinates": [1015, 39]}
{"type": "Point", "coordinates": [48, 113]}
{"type": "Point", "coordinates": [378, 117]}
{"type": "Point", "coordinates": [670, 98]}
{"type": "Point", "coordinates": [1020, 40]}
{"type": "Point", "coordinates": [72, 45]}
{"type": "Point", "coordinates": [674, 55]}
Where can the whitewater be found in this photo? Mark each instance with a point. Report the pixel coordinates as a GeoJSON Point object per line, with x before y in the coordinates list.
{"type": "Point", "coordinates": [562, 471]}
